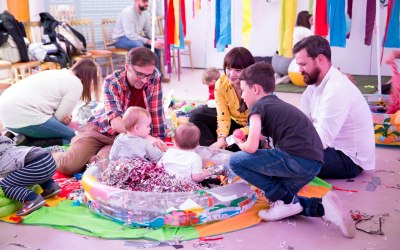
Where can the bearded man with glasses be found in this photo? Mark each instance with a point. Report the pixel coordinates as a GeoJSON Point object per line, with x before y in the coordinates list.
{"type": "Point", "coordinates": [137, 84]}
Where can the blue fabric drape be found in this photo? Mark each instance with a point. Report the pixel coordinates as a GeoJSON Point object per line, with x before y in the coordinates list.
{"type": "Point", "coordinates": [337, 22]}
{"type": "Point", "coordinates": [393, 32]}
{"type": "Point", "coordinates": [223, 34]}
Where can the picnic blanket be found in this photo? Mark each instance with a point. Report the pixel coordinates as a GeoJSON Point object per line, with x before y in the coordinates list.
{"type": "Point", "coordinates": [68, 215]}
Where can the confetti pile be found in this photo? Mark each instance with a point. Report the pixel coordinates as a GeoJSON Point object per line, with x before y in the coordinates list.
{"type": "Point", "coordinates": [140, 175]}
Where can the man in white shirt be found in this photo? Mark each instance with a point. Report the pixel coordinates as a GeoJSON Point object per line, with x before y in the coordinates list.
{"type": "Point", "coordinates": [132, 30]}
{"type": "Point", "coordinates": [338, 111]}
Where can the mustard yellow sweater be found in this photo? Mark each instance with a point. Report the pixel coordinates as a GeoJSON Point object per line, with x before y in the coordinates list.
{"type": "Point", "coordinates": [228, 107]}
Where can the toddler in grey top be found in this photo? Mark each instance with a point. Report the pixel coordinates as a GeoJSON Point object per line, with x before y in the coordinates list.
{"type": "Point", "coordinates": [134, 143]}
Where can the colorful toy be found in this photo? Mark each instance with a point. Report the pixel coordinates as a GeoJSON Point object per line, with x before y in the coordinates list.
{"type": "Point", "coordinates": [176, 208]}
{"type": "Point", "coordinates": [294, 74]}
{"type": "Point", "coordinates": [386, 126]}
{"type": "Point", "coordinates": [239, 134]}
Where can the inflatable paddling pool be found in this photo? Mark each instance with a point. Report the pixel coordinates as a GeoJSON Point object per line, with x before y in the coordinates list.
{"type": "Point", "coordinates": [151, 209]}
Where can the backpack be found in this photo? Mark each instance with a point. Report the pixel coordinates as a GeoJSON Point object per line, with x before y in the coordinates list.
{"type": "Point", "coordinates": [75, 39]}
{"type": "Point", "coordinates": [11, 28]}
{"type": "Point", "coordinates": [65, 39]}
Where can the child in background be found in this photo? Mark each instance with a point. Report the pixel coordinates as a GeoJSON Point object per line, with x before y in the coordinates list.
{"type": "Point", "coordinates": [210, 77]}
{"type": "Point", "coordinates": [181, 160]}
{"type": "Point", "coordinates": [26, 166]}
{"type": "Point", "coordinates": [295, 160]}
{"type": "Point", "coordinates": [134, 143]}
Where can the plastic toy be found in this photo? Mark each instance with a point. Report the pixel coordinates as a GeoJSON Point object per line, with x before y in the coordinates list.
{"type": "Point", "coordinates": [294, 74]}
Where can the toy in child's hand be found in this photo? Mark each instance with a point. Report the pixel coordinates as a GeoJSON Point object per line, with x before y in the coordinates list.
{"type": "Point", "coordinates": [238, 133]}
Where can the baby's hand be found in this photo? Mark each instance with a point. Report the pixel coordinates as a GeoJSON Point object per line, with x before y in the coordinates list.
{"type": "Point", "coordinates": [206, 173]}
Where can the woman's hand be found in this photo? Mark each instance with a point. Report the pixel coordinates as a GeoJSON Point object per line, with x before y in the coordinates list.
{"type": "Point", "coordinates": [220, 143]}
{"type": "Point", "coordinates": [66, 119]}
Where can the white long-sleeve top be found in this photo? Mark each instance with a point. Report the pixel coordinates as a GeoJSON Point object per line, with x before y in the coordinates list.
{"type": "Point", "coordinates": [341, 117]}
{"type": "Point", "coordinates": [131, 24]}
{"type": "Point", "coordinates": [35, 99]}
{"type": "Point", "coordinates": [299, 33]}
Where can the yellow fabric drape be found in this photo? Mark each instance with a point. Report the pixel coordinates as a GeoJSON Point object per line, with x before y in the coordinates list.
{"type": "Point", "coordinates": [198, 6]}
{"type": "Point", "coordinates": [287, 22]}
{"type": "Point", "coordinates": [177, 23]}
{"type": "Point", "coordinates": [247, 24]}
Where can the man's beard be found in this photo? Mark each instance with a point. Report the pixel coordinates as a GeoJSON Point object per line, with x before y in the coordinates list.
{"type": "Point", "coordinates": [142, 8]}
{"type": "Point", "coordinates": [312, 78]}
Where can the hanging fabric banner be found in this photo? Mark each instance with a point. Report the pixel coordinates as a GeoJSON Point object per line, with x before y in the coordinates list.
{"type": "Point", "coordinates": [196, 7]}
{"type": "Point", "coordinates": [223, 34]}
{"type": "Point", "coordinates": [321, 19]}
{"type": "Point", "coordinates": [167, 45]}
{"type": "Point", "coordinates": [287, 22]}
{"type": "Point", "coordinates": [247, 25]}
{"type": "Point", "coordinates": [311, 7]}
{"type": "Point", "coordinates": [349, 17]}
{"type": "Point", "coordinates": [369, 21]}
{"type": "Point", "coordinates": [337, 22]}
{"type": "Point", "coordinates": [177, 23]}
{"type": "Point", "coordinates": [393, 30]}
{"type": "Point", "coordinates": [183, 16]}
{"type": "Point", "coordinates": [171, 22]}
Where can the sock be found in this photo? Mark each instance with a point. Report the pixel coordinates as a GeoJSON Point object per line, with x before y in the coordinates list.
{"type": "Point", "coordinates": [289, 198]}
{"type": "Point", "coordinates": [320, 210]}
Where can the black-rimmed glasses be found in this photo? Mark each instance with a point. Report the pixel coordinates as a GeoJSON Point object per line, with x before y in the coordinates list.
{"type": "Point", "coordinates": [141, 75]}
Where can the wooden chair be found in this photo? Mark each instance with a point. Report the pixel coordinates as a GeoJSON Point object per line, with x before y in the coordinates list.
{"type": "Point", "coordinates": [85, 27]}
{"type": "Point", "coordinates": [21, 70]}
{"type": "Point", "coordinates": [175, 53]}
{"type": "Point", "coordinates": [6, 81]}
{"type": "Point", "coordinates": [34, 33]}
{"type": "Point", "coordinates": [107, 26]}
{"type": "Point", "coordinates": [185, 52]}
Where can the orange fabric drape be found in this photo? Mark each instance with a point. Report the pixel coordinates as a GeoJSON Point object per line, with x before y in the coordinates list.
{"type": "Point", "coordinates": [19, 9]}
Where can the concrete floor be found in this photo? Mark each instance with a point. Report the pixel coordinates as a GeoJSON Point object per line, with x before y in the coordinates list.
{"type": "Point", "coordinates": [293, 233]}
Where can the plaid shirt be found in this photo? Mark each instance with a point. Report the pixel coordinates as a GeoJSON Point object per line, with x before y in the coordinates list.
{"type": "Point", "coordinates": [117, 96]}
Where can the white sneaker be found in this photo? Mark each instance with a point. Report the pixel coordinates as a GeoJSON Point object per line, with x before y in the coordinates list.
{"type": "Point", "coordinates": [279, 210]}
{"type": "Point", "coordinates": [336, 213]}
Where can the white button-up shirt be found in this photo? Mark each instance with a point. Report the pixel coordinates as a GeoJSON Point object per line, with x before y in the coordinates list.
{"type": "Point", "coordinates": [341, 117]}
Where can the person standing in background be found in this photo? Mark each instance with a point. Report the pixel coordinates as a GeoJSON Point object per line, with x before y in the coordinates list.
{"type": "Point", "coordinates": [133, 30]}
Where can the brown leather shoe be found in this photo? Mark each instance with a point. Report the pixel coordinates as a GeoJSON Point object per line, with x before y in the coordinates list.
{"type": "Point", "coordinates": [165, 79]}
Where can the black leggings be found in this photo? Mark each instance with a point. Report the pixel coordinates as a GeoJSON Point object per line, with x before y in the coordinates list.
{"type": "Point", "coordinates": [207, 123]}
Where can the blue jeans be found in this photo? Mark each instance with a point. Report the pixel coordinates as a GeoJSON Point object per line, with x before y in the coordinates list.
{"type": "Point", "coordinates": [337, 165]}
{"type": "Point", "coordinates": [52, 128]}
{"type": "Point", "coordinates": [126, 43]}
{"type": "Point", "coordinates": [278, 173]}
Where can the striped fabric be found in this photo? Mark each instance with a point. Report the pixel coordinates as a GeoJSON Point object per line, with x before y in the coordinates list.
{"type": "Point", "coordinates": [38, 171]}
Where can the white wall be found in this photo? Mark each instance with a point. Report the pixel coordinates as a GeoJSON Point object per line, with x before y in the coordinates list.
{"type": "Point", "coordinates": [3, 5]}
{"type": "Point", "coordinates": [356, 58]}
{"type": "Point", "coordinates": [35, 7]}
